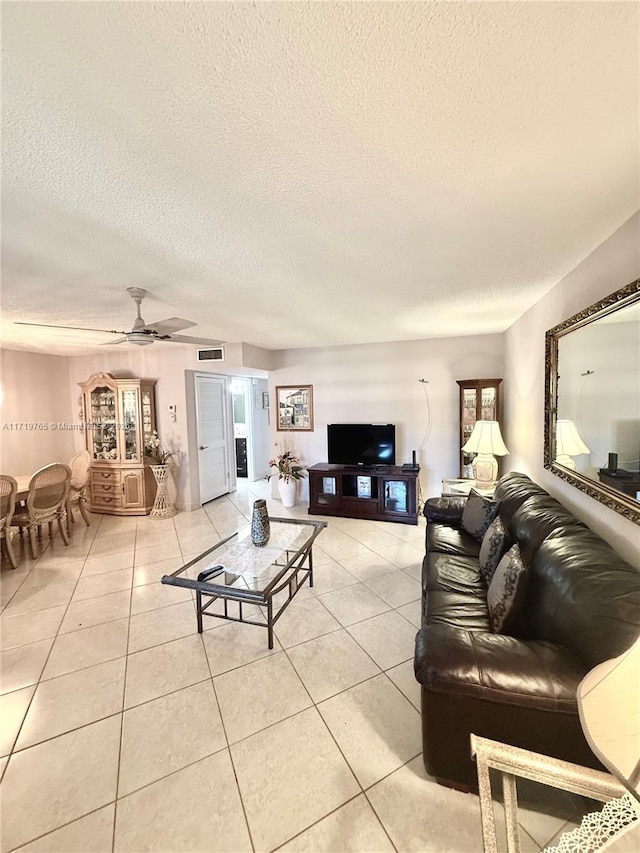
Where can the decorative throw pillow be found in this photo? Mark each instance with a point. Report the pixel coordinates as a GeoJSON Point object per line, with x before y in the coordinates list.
{"type": "Point", "coordinates": [507, 590]}
{"type": "Point", "coordinates": [478, 513]}
{"type": "Point", "coordinates": [493, 547]}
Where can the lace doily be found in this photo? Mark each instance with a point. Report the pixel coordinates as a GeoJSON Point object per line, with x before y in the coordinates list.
{"type": "Point", "coordinates": [596, 828]}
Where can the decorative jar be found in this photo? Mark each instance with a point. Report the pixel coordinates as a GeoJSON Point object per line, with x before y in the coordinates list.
{"type": "Point", "coordinates": [260, 526]}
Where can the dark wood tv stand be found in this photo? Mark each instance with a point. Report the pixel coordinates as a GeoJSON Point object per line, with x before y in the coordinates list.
{"type": "Point", "coordinates": [381, 493]}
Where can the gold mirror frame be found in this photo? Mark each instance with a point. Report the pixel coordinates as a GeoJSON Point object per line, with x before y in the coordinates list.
{"type": "Point", "coordinates": [615, 500]}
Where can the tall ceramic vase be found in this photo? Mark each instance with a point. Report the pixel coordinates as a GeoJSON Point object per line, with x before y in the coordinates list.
{"type": "Point", "coordinates": [260, 526]}
{"type": "Point", "coordinates": [287, 491]}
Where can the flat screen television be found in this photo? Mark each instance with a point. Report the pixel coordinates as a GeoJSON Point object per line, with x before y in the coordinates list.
{"type": "Point", "coordinates": [366, 445]}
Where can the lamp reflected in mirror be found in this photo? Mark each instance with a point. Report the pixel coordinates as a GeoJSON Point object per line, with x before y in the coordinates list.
{"type": "Point", "coordinates": [592, 362]}
{"type": "Point", "coordinates": [568, 443]}
{"type": "Point", "coordinates": [486, 441]}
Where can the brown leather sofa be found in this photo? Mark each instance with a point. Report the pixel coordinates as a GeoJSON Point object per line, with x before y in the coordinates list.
{"type": "Point", "coordinates": [582, 607]}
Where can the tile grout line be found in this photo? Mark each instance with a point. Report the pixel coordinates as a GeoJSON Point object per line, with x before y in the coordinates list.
{"type": "Point", "coordinates": [124, 693]}
{"type": "Point", "coordinates": [44, 665]}
{"type": "Point", "coordinates": [62, 826]}
{"type": "Point", "coordinates": [228, 745]}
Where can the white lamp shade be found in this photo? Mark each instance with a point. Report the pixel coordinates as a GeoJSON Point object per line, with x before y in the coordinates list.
{"type": "Point", "coordinates": [609, 707]}
{"type": "Point", "coordinates": [568, 441]}
{"type": "Point", "coordinates": [486, 439]}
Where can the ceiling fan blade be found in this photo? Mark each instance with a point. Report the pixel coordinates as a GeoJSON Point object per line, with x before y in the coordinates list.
{"type": "Point", "coordinates": [185, 339]}
{"type": "Point", "coordinates": [74, 328]}
{"type": "Point", "coordinates": [113, 343]}
{"type": "Point", "coordinates": [173, 324]}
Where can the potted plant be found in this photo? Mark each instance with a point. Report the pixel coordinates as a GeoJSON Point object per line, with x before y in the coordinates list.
{"type": "Point", "coordinates": [153, 450]}
{"type": "Point", "coordinates": [162, 506]}
{"type": "Point", "coordinates": [289, 471]}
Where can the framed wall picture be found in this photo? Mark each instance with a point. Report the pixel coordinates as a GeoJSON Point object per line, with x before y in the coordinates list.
{"type": "Point", "coordinates": [265, 399]}
{"type": "Point", "coordinates": [294, 407]}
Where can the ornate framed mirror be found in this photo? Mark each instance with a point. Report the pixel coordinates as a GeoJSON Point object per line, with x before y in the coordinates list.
{"type": "Point", "coordinates": [592, 401]}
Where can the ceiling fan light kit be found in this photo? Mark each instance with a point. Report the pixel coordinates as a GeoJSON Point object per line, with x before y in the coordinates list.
{"type": "Point", "coordinates": [139, 339]}
{"type": "Point", "coordinates": [142, 335]}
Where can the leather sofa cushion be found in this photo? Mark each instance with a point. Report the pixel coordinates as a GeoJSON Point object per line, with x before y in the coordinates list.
{"type": "Point", "coordinates": [443, 539]}
{"type": "Point", "coordinates": [539, 517]}
{"type": "Point", "coordinates": [457, 610]}
{"type": "Point", "coordinates": [497, 668]}
{"type": "Point", "coordinates": [584, 596]}
{"type": "Point", "coordinates": [512, 490]}
{"type": "Point", "coordinates": [454, 572]}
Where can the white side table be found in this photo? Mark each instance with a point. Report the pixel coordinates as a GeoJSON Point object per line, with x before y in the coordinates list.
{"type": "Point", "coordinates": [463, 487]}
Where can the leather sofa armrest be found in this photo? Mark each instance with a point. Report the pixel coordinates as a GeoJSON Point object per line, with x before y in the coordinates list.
{"type": "Point", "coordinates": [498, 668]}
{"type": "Point", "coordinates": [447, 509]}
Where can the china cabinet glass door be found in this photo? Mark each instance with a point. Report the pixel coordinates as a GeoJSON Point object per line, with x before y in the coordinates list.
{"type": "Point", "coordinates": [129, 424]}
{"type": "Point", "coordinates": [479, 400]}
{"type": "Point", "coordinates": [468, 419]}
{"type": "Point", "coordinates": [102, 435]}
{"type": "Point", "coordinates": [147, 416]}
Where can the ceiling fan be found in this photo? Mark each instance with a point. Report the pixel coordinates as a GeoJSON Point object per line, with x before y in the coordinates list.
{"type": "Point", "coordinates": [141, 334]}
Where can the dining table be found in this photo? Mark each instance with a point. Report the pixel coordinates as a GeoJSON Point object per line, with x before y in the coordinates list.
{"type": "Point", "coordinates": [23, 487]}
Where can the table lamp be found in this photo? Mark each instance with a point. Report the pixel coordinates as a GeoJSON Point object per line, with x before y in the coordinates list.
{"type": "Point", "coordinates": [609, 707]}
{"type": "Point", "coordinates": [568, 443]}
{"type": "Point", "coordinates": [486, 441]}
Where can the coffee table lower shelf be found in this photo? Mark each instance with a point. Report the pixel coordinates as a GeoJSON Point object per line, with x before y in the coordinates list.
{"type": "Point", "coordinates": [289, 571]}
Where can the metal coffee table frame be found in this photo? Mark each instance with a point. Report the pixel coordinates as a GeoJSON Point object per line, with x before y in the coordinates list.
{"type": "Point", "coordinates": [296, 568]}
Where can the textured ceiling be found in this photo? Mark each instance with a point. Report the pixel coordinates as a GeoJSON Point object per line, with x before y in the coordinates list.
{"type": "Point", "coordinates": [308, 174]}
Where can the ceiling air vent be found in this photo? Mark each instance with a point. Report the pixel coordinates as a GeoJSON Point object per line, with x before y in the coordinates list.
{"type": "Point", "coordinates": [215, 354]}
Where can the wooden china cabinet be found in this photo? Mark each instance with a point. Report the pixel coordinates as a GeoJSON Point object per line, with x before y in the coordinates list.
{"type": "Point", "coordinates": [120, 416]}
{"type": "Point", "coordinates": [479, 400]}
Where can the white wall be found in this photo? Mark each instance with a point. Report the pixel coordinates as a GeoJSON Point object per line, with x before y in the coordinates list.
{"type": "Point", "coordinates": [380, 383]}
{"type": "Point", "coordinates": [36, 401]}
{"type": "Point", "coordinates": [613, 265]}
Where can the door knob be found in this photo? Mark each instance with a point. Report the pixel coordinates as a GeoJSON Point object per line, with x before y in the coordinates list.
{"type": "Point", "coordinates": [203, 446]}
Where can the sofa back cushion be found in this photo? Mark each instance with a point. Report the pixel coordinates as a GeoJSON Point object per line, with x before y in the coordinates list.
{"type": "Point", "coordinates": [512, 490]}
{"type": "Point", "coordinates": [539, 517]}
{"type": "Point", "coordinates": [443, 539]}
{"type": "Point", "coordinates": [583, 595]}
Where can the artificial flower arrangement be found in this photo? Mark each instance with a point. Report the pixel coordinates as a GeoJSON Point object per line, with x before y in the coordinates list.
{"type": "Point", "coordinates": [154, 451]}
{"type": "Point", "coordinates": [288, 466]}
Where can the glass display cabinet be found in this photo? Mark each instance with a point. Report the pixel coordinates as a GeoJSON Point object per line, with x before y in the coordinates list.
{"type": "Point", "coordinates": [479, 400]}
{"type": "Point", "coordinates": [120, 415]}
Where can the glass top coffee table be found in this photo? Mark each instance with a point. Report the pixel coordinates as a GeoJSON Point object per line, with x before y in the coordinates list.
{"type": "Point", "coordinates": [234, 576]}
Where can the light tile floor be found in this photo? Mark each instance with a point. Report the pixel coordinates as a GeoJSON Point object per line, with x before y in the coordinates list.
{"type": "Point", "coordinates": [124, 730]}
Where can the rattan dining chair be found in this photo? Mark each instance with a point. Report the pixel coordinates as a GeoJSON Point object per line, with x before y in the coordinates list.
{"type": "Point", "coordinates": [46, 503]}
{"type": "Point", "coordinates": [8, 489]}
{"type": "Point", "coordinates": [78, 486]}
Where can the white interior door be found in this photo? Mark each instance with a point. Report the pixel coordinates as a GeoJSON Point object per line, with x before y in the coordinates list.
{"type": "Point", "coordinates": [213, 438]}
